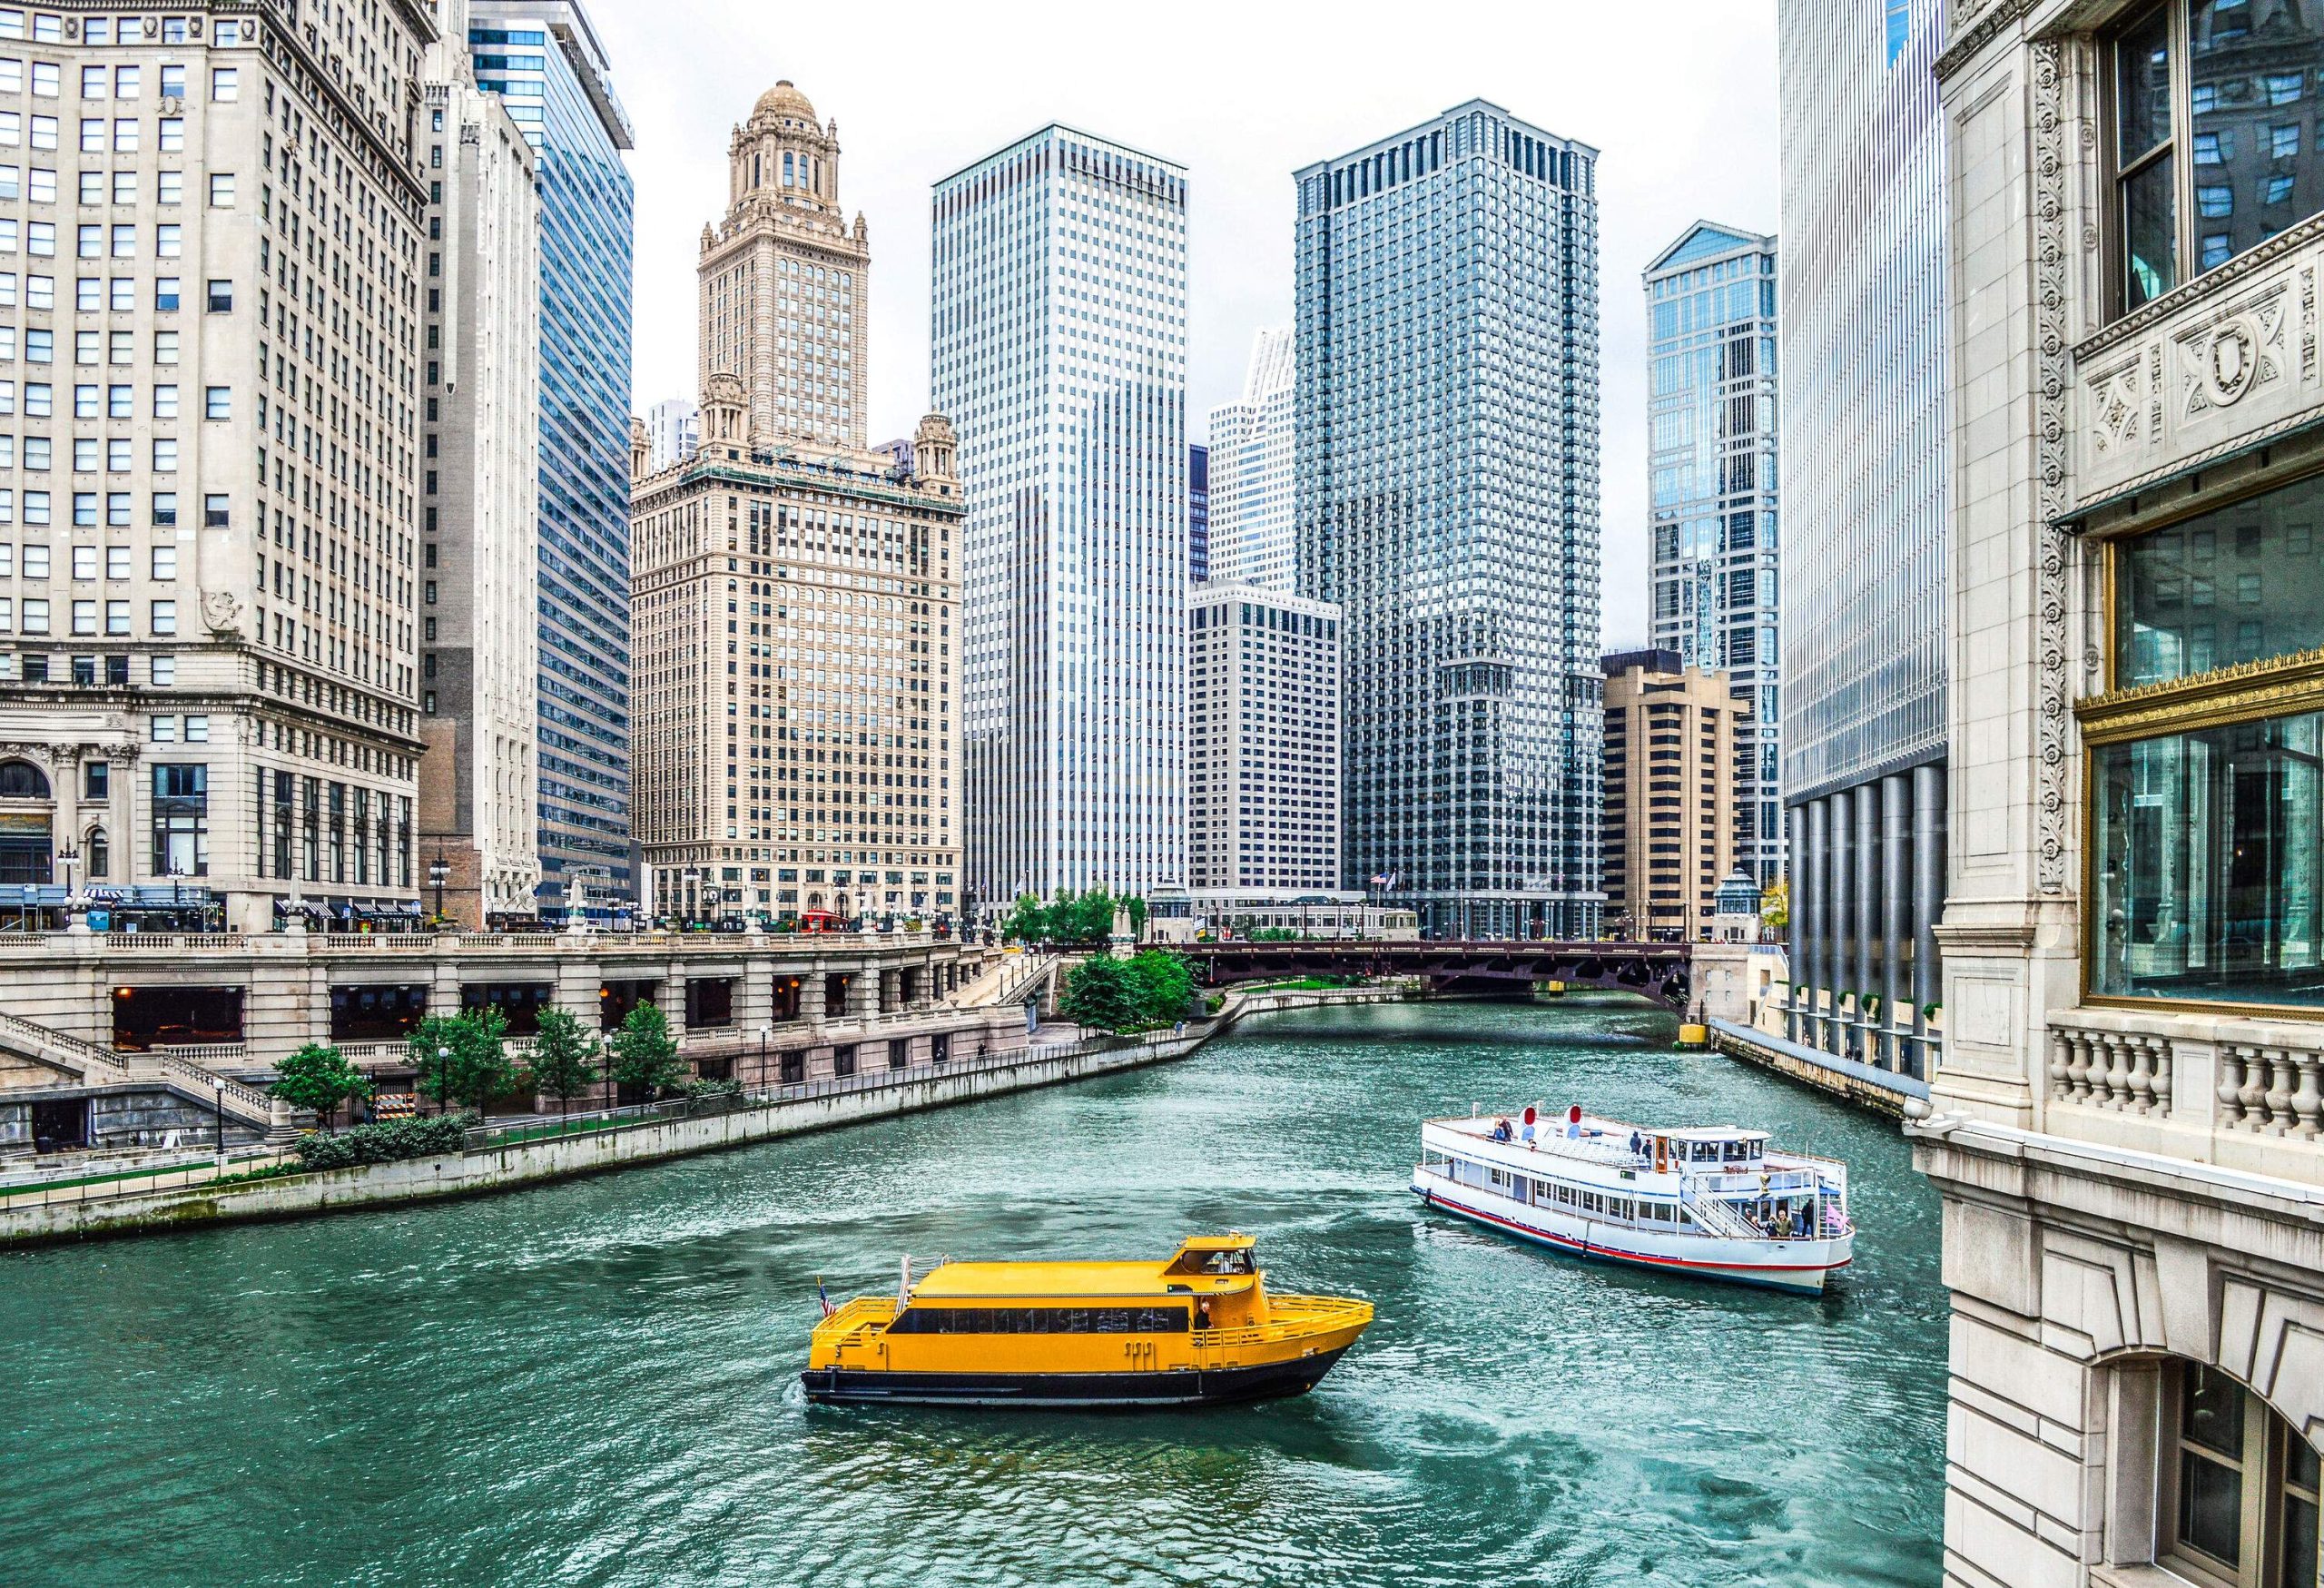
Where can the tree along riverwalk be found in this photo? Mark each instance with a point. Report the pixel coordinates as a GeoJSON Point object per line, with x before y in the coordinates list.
{"type": "Point", "coordinates": [496, 1158]}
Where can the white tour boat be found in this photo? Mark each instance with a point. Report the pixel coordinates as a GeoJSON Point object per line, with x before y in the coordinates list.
{"type": "Point", "coordinates": [1714, 1203]}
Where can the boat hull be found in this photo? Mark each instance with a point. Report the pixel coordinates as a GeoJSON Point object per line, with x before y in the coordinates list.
{"type": "Point", "coordinates": [1186, 1387]}
{"type": "Point", "coordinates": [1796, 1268]}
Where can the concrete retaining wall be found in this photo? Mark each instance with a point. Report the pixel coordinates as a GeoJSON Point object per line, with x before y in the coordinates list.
{"type": "Point", "coordinates": [462, 1174]}
{"type": "Point", "coordinates": [498, 1168]}
{"type": "Point", "coordinates": [1881, 1091]}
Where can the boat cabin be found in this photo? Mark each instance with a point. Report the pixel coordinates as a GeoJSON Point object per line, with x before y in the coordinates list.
{"type": "Point", "coordinates": [1717, 1149]}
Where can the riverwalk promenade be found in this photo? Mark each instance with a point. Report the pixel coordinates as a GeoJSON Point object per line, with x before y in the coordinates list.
{"type": "Point", "coordinates": [507, 1157]}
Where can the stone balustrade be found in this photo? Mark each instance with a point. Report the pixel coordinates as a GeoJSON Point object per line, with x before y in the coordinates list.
{"type": "Point", "coordinates": [2236, 1090]}
{"type": "Point", "coordinates": [2270, 1090]}
{"type": "Point", "coordinates": [2125, 1072]}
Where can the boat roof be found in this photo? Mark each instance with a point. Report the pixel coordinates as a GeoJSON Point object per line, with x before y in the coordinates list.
{"type": "Point", "coordinates": [1482, 1124]}
{"type": "Point", "coordinates": [953, 1280]}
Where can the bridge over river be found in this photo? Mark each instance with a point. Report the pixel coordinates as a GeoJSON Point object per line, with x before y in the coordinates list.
{"type": "Point", "coordinates": [1658, 971]}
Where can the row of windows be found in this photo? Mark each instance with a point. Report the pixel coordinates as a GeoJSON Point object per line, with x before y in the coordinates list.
{"type": "Point", "coordinates": [1041, 1320]}
{"type": "Point", "coordinates": [118, 561]}
{"type": "Point", "coordinates": [161, 617]}
{"type": "Point", "coordinates": [124, 82]}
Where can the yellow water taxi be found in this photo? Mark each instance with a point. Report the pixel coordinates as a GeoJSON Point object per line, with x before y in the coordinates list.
{"type": "Point", "coordinates": [1198, 1327]}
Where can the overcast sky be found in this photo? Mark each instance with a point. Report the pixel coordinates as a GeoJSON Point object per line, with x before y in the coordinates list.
{"type": "Point", "coordinates": [1679, 95]}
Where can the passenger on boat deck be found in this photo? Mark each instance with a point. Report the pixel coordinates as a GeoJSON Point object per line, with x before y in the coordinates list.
{"type": "Point", "coordinates": [1202, 1313]}
{"type": "Point", "coordinates": [1637, 1144]}
{"type": "Point", "coordinates": [1783, 1221]}
{"type": "Point", "coordinates": [1500, 1130]}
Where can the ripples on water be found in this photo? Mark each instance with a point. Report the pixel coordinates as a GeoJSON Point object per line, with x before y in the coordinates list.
{"type": "Point", "coordinates": [595, 1383]}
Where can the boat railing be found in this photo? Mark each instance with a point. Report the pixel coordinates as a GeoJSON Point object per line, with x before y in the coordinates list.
{"type": "Point", "coordinates": [1288, 1315]}
{"type": "Point", "coordinates": [1731, 1183]}
{"type": "Point", "coordinates": [859, 1313]}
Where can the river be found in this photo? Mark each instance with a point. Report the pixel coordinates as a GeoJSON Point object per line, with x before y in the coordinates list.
{"type": "Point", "coordinates": [595, 1383]}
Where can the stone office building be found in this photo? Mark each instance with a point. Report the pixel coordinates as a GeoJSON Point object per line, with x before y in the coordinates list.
{"type": "Point", "coordinates": [210, 288]}
{"type": "Point", "coordinates": [1676, 790]}
{"type": "Point", "coordinates": [2129, 1124]}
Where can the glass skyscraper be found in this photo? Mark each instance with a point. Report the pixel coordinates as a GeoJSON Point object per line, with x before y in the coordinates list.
{"type": "Point", "coordinates": [1447, 499]}
{"type": "Point", "coordinates": [1863, 327]}
{"type": "Point", "coordinates": [1711, 468]}
{"type": "Point", "coordinates": [1254, 443]}
{"type": "Point", "coordinates": [1059, 336]}
{"type": "Point", "coordinates": [545, 62]}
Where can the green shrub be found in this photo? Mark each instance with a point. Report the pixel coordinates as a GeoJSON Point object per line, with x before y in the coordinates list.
{"type": "Point", "coordinates": [388, 1141]}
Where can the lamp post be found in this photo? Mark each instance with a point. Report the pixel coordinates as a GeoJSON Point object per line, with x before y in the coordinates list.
{"type": "Point", "coordinates": [220, 1082]}
{"type": "Point", "coordinates": [443, 1060]}
{"type": "Point", "coordinates": [439, 872]}
{"type": "Point", "coordinates": [764, 1033]}
{"type": "Point", "coordinates": [68, 857]}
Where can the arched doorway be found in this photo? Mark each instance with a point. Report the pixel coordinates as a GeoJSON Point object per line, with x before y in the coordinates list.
{"type": "Point", "coordinates": [27, 813]}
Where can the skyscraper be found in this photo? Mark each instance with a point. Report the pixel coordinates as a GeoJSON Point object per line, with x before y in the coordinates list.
{"type": "Point", "coordinates": [1059, 329]}
{"type": "Point", "coordinates": [1198, 513]}
{"type": "Point", "coordinates": [1253, 441]}
{"type": "Point", "coordinates": [673, 432]}
{"type": "Point", "coordinates": [1671, 731]}
{"type": "Point", "coordinates": [210, 581]}
{"type": "Point", "coordinates": [1264, 742]}
{"type": "Point", "coordinates": [785, 281]}
{"type": "Point", "coordinates": [819, 770]}
{"type": "Point", "coordinates": [1447, 500]}
{"type": "Point", "coordinates": [479, 658]}
{"type": "Point", "coordinates": [1862, 320]}
{"type": "Point", "coordinates": [1711, 422]}
{"type": "Point", "coordinates": [543, 60]}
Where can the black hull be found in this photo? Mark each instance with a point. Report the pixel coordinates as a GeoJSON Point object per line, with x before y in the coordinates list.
{"type": "Point", "coordinates": [1182, 1388]}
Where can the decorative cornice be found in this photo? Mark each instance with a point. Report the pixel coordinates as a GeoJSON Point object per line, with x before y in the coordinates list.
{"type": "Point", "coordinates": [2076, 514]}
{"type": "Point", "coordinates": [2242, 692]}
{"type": "Point", "coordinates": [2148, 315]}
{"type": "Point", "coordinates": [1980, 33]}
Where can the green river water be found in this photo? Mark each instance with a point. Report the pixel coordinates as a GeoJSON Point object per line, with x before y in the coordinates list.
{"type": "Point", "coordinates": [596, 1382]}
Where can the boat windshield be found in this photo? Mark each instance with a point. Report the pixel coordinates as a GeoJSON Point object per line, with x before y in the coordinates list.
{"type": "Point", "coordinates": [1229, 1260]}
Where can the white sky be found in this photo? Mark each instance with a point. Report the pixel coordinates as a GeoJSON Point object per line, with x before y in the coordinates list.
{"type": "Point", "coordinates": [1679, 97]}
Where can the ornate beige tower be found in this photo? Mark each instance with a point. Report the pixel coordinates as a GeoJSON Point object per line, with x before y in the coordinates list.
{"type": "Point", "coordinates": [785, 278]}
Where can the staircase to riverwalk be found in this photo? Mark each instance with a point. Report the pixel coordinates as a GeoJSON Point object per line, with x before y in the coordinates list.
{"type": "Point", "coordinates": [89, 1065]}
{"type": "Point", "coordinates": [1010, 981]}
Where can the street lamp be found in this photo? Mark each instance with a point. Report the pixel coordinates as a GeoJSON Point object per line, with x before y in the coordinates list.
{"type": "Point", "coordinates": [439, 872]}
{"type": "Point", "coordinates": [443, 1060]}
{"type": "Point", "coordinates": [220, 1082]}
{"type": "Point", "coordinates": [764, 1033]}
{"type": "Point", "coordinates": [68, 857]}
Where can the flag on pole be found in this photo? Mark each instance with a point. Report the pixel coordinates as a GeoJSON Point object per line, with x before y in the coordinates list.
{"type": "Point", "coordinates": [823, 1296]}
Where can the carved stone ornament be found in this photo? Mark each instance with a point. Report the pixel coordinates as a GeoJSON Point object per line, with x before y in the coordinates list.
{"type": "Point", "coordinates": [2238, 353]}
{"type": "Point", "coordinates": [2051, 673]}
{"type": "Point", "coordinates": [221, 612]}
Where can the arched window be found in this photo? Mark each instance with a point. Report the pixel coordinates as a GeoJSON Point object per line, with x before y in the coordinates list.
{"type": "Point", "coordinates": [21, 780]}
{"type": "Point", "coordinates": [100, 853]}
{"type": "Point", "coordinates": [2239, 1485]}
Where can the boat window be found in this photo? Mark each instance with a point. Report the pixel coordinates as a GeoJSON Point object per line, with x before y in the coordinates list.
{"type": "Point", "coordinates": [1231, 1260]}
{"type": "Point", "coordinates": [1041, 1320]}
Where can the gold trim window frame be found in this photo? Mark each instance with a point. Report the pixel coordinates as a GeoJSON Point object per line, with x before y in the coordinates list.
{"type": "Point", "coordinates": [2188, 889]}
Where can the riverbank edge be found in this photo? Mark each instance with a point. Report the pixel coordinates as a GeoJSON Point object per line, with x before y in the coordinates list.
{"type": "Point", "coordinates": [491, 1171]}
{"type": "Point", "coordinates": [1880, 1091]}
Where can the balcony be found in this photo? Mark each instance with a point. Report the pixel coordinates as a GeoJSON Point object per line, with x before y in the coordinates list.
{"type": "Point", "coordinates": [2219, 364]}
{"type": "Point", "coordinates": [2241, 1093]}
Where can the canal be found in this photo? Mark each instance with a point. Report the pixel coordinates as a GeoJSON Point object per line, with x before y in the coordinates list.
{"type": "Point", "coordinates": [596, 1382]}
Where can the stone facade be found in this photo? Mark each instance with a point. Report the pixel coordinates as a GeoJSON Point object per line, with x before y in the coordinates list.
{"type": "Point", "coordinates": [785, 282]}
{"type": "Point", "coordinates": [211, 506]}
{"type": "Point", "coordinates": [1674, 794]}
{"type": "Point", "coordinates": [797, 619]}
{"type": "Point", "coordinates": [479, 786]}
{"type": "Point", "coordinates": [2125, 1121]}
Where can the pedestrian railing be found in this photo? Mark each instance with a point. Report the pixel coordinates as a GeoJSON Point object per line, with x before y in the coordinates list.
{"type": "Point", "coordinates": [101, 1187]}
{"type": "Point", "coordinates": [135, 1182]}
